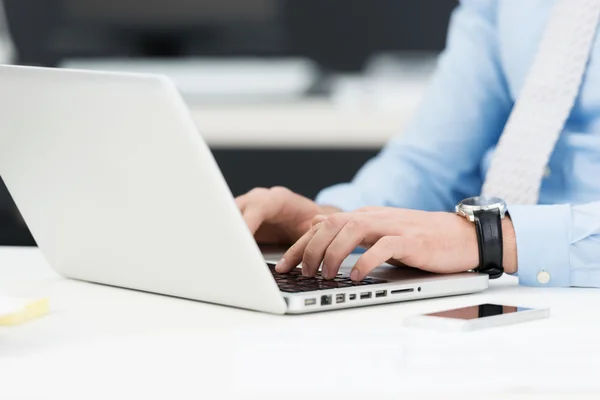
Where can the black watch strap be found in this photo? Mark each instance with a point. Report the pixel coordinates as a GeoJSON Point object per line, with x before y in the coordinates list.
{"type": "Point", "coordinates": [489, 235]}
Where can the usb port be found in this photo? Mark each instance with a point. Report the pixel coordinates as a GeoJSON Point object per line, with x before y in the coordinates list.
{"type": "Point", "coordinates": [310, 302]}
{"type": "Point", "coordinates": [351, 297]}
{"type": "Point", "coordinates": [340, 298]}
{"type": "Point", "coordinates": [366, 295]}
{"type": "Point", "coordinates": [381, 293]}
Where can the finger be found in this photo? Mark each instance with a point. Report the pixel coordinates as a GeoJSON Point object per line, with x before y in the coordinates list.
{"type": "Point", "coordinates": [359, 231]}
{"type": "Point", "coordinates": [386, 248]}
{"type": "Point", "coordinates": [241, 202]}
{"type": "Point", "coordinates": [318, 218]}
{"type": "Point", "coordinates": [256, 207]}
{"type": "Point", "coordinates": [293, 256]}
{"type": "Point", "coordinates": [317, 246]}
{"type": "Point", "coordinates": [255, 195]}
{"type": "Point", "coordinates": [253, 218]}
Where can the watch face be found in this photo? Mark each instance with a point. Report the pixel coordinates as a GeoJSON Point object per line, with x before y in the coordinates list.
{"type": "Point", "coordinates": [469, 207]}
{"type": "Point", "coordinates": [482, 201]}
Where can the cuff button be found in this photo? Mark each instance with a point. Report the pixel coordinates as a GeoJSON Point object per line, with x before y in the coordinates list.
{"type": "Point", "coordinates": [543, 277]}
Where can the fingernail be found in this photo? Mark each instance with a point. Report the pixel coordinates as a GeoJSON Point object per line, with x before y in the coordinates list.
{"type": "Point", "coordinates": [304, 270]}
{"type": "Point", "coordinates": [354, 274]}
{"type": "Point", "coordinates": [324, 271]}
{"type": "Point", "coordinates": [279, 265]}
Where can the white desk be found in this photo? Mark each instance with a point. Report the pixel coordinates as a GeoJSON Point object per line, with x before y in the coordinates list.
{"type": "Point", "coordinates": [103, 342]}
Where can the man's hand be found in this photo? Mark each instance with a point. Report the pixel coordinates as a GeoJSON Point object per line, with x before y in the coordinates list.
{"type": "Point", "coordinates": [278, 215]}
{"type": "Point", "coordinates": [432, 241]}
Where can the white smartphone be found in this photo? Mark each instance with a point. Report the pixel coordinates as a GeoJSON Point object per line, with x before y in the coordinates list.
{"type": "Point", "coordinates": [476, 317]}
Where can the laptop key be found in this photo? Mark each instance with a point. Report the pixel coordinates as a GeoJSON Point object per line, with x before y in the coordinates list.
{"type": "Point", "coordinates": [295, 282]}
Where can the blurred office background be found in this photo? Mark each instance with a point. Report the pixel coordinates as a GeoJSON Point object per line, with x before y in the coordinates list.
{"type": "Point", "coordinates": [298, 93]}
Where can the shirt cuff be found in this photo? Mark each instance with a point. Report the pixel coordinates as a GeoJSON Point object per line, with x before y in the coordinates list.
{"type": "Point", "coordinates": [543, 244]}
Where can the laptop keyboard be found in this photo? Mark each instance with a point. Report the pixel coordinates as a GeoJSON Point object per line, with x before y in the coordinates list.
{"type": "Point", "coordinates": [294, 282]}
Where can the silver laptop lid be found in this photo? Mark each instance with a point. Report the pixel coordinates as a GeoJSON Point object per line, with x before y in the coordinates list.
{"type": "Point", "coordinates": [118, 187]}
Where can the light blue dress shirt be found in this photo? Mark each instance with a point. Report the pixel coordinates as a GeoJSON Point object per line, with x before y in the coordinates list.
{"type": "Point", "coordinates": [443, 155]}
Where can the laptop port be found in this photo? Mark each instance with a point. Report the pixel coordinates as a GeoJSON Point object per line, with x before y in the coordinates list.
{"type": "Point", "coordinates": [326, 300]}
{"type": "Point", "coordinates": [351, 297]}
{"type": "Point", "coordinates": [381, 293]}
{"type": "Point", "coordinates": [365, 295]}
{"type": "Point", "coordinates": [402, 291]}
{"type": "Point", "coordinates": [340, 298]}
{"type": "Point", "coordinates": [310, 302]}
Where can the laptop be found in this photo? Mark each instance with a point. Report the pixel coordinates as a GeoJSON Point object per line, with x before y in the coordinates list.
{"type": "Point", "coordinates": [118, 187]}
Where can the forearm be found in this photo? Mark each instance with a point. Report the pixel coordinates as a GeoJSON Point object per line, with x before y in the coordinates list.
{"type": "Point", "coordinates": [403, 175]}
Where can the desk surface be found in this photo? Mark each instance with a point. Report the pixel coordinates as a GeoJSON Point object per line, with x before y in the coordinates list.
{"type": "Point", "coordinates": [104, 342]}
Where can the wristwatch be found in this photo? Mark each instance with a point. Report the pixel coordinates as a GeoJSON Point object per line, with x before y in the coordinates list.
{"type": "Point", "coordinates": [487, 214]}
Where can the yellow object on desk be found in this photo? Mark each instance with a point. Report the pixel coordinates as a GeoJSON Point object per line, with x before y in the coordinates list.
{"type": "Point", "coordinates": [14, 311]}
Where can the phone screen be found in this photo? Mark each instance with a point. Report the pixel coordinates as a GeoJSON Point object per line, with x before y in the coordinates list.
{"type": "Point", "coordinates": [477, 312]}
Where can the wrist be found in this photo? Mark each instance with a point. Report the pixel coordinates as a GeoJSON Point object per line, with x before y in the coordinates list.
{"type": "Point", "coordinates": [509, 246]}
{"type": "Point", "coordinates": [497, 253]}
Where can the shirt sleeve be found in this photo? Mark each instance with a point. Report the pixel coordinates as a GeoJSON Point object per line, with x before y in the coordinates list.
{"type": "Point", "coordinates": [558, 245]}
{"type": "Point", "coordinates": [436, 162]}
